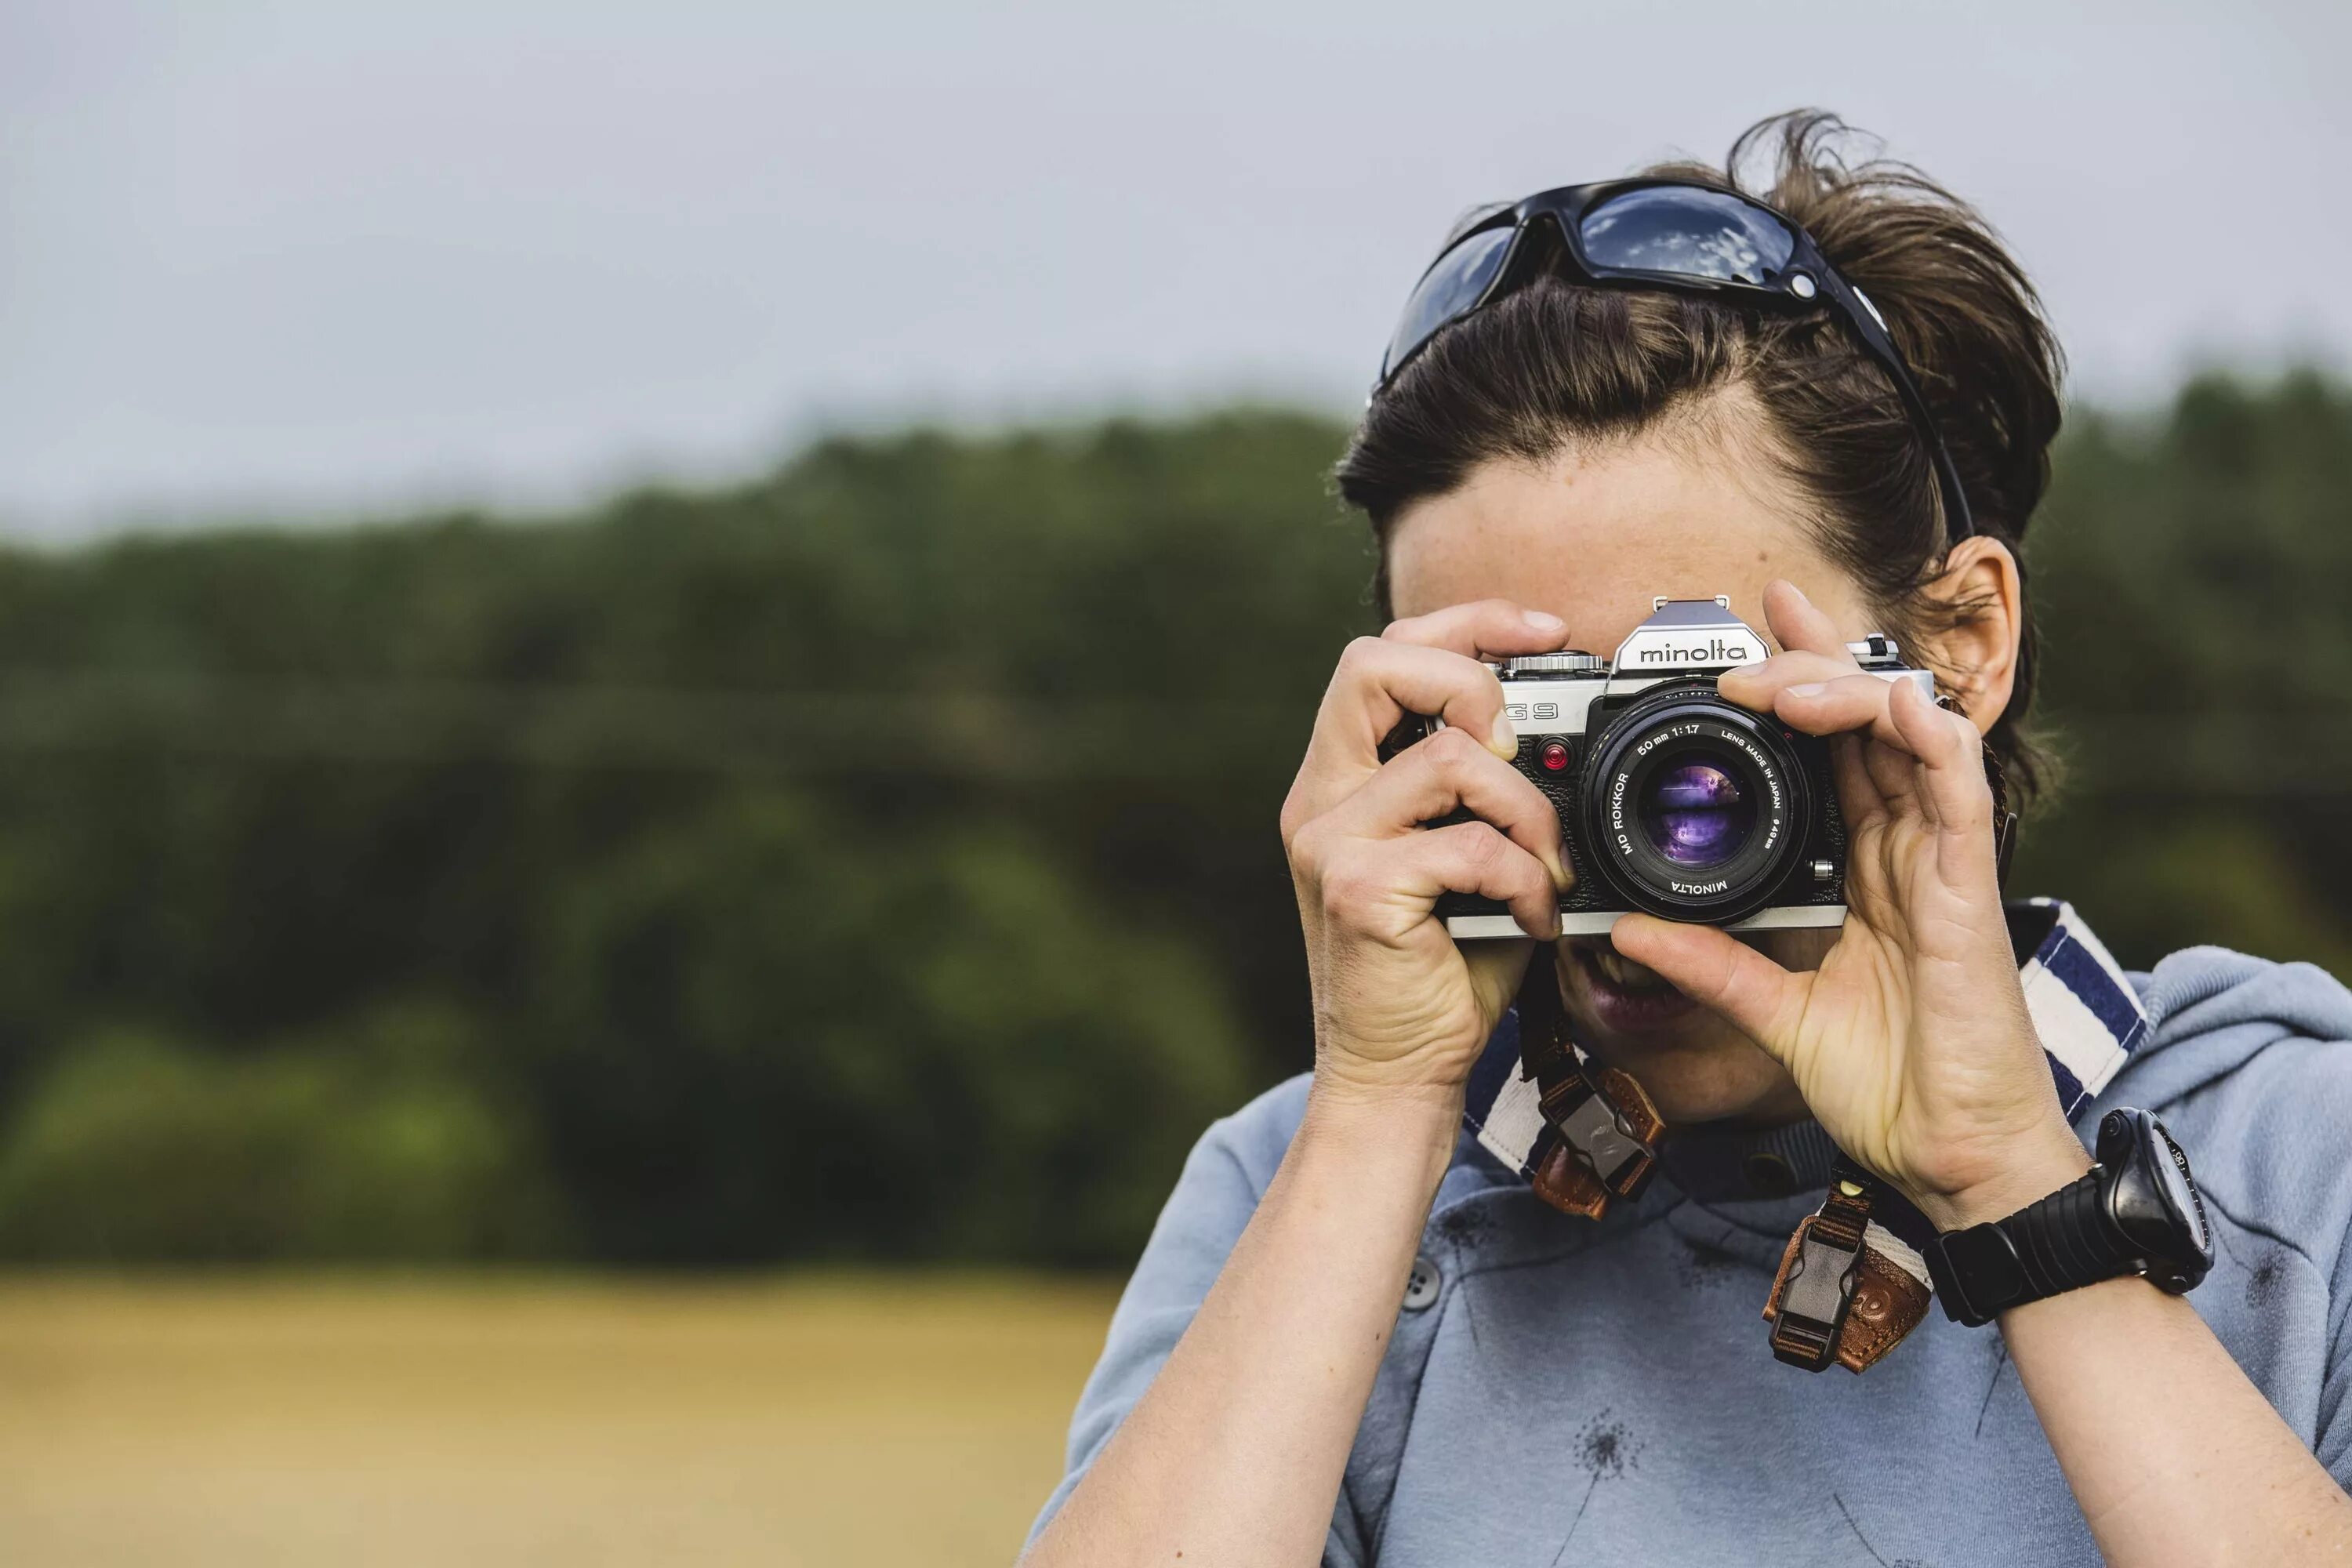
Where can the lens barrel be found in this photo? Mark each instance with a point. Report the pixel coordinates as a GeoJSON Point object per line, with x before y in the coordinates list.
{"type": "Point", "coordinates": [1693, 807]}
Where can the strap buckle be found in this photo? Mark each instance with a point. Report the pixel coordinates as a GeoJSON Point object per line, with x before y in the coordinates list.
{"type": "Point", "coordinates": [1820, 1272]}
{"type": "Point", "coordinates": [1606, 1129]}
{"type": "Point", "coordinates": [1606, 1123]}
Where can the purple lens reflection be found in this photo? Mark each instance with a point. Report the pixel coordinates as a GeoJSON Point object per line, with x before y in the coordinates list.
{"type": "Point", "coordinates": [1697, 815]}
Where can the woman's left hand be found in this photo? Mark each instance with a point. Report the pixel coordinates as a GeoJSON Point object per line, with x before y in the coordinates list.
{"type": "Point", "coordinates": [1911, 1043]}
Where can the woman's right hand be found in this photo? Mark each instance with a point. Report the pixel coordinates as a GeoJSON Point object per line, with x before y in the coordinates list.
{"type": "Point", "coordinates": [1397, 1004]}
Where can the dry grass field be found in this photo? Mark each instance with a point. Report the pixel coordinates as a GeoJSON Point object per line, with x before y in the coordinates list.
{"type": "Point", "coordinates": [573, 1423]}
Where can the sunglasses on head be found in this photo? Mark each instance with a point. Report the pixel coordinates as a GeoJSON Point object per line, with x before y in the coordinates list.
{"type": "Point", "coordinates": [1657, 233]}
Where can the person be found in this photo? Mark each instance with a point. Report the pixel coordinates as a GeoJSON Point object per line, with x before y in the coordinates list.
{"type": "Point", "coordinates": [1360, 1334]}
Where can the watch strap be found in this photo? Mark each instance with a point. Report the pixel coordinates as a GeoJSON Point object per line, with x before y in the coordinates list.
{"type": "Point", "coordinates": [2059, 1243]}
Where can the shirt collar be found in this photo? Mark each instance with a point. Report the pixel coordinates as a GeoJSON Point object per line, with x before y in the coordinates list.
{"type": "Point", "coordinates": [2085, 1009]}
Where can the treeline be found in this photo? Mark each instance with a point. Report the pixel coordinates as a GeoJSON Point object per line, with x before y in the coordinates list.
{"type": "Point", "coordinates": [878, 861]}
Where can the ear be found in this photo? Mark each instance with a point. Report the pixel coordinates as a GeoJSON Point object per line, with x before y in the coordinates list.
{"type": "Point", "coordinates": [1974, 620]}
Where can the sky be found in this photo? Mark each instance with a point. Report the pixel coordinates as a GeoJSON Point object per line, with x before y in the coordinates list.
{"type": "Point", "coordinates": [344, 257]}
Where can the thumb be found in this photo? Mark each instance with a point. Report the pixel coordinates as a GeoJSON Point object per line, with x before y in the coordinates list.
{"type": "Point", "coordinates": [1496, 969]}
{"type": "Point", "coordinates": [1718, 970]}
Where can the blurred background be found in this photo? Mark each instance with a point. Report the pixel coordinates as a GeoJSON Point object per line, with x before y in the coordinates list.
{"type": "Point", "coordinates": [646, 655]}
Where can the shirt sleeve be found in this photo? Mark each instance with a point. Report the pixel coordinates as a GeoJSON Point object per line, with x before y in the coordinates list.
{"type": "Point", "coordinates": [1204, 1216]}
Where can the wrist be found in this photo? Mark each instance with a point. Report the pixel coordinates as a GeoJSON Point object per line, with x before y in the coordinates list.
{"type": "Point", "coordinates": [1408, 1129]}
{"type": "Point", "coordinates": [2026, 1171]}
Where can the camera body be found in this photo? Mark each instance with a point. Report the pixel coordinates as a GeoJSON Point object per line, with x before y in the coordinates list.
{"type": "Point", "coordinates": [1672, 799]}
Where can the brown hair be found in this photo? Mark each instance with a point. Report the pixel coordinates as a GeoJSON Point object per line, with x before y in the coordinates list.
{"type": "Point", "coordinates": [1557, 362]}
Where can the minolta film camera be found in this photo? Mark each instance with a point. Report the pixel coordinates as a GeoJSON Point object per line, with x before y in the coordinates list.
{"type": "Point", "coordinates": [1672, 799]}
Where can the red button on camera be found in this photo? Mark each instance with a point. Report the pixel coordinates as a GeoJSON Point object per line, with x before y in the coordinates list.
{"type": "Point", "coordinates": [1555, 755]}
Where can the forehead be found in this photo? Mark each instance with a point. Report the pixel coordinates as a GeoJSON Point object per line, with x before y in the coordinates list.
{"type": "Point", "coordinates": [1596, 533]}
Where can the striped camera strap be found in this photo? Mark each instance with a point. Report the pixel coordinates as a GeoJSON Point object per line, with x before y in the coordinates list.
{"type": "Point", "coordinates": [1864, 1235]}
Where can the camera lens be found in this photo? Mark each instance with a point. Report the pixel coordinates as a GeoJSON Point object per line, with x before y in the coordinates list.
{"type": "Point", "coordinates": [1696, 813]}
{"type": "Point", "coordinates": [1697, 808]}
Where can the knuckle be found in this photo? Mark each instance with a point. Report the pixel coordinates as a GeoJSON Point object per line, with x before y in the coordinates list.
{"type": "Point", "coordinates": [1484, 854]}
{"type": "Point", "coordinates": [1292, 824]}
{"type": "Point", "coordinates": [1307, 844]}
{"type": "Point", "coordinates": [1533, 887]}
{"type": "Point", "coordinates": [1349, 889]}
{"type": "Point", "coordinates": [1360, 654]}
{"type": "Point", "coordinates": [1481, 850]}
{"type": "Point", "coordinates": [1451, 749]}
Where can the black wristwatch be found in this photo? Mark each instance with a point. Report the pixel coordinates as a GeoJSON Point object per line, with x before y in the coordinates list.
{"type": "Point", "coordinates": [2138, 1213]}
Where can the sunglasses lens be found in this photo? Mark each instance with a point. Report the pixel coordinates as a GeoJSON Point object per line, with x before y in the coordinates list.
{"type": "Point", "coordinates": [1689, 233]}
{"type": "Point", "coordinates": [1451, 286]}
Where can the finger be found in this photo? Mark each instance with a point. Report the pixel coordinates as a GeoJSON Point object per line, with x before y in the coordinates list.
{"type": "Point", "coordinates": [1406, 876]}
{"type": "Point", "coordinates": [1754, 685]}
{"type": "Point", "coordinates": [1951, 764]}
{"type": "Point", "coordinates": [1448, 771]}
{"type": "Point", "coordinates": [1797, 622]}
{"type": "Point", "coordinates": [1486, 629]}
{"type": "Point", "coordinates": [1376, 685]}
{"type": "Point", "coordinates": [1859, 799]}
{"type": "Point", "coordinates": [1850, 703]}
{"type": "Point", "coordinates": [1895, 773]}
{"type": "Point", "coordinates": [1496, 968]}
{"type": "Point", "coordinates": [1716, 970]}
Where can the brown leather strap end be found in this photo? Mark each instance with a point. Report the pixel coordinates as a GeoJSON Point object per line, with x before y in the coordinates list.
{"type": "Point", "coordinates": [1857, 1303]}
{"type": "Point", "coordinates": [1567, 1185]}
{"type": "Point", "coordinates": [1604, 1127]}
{"type": "Point", "coordinates": [1813, 1294]}
{"type": "Point", "coordinates": [1607, 1127]}
{"type": "Point", "coordinates": [1888, 1303]}
{"type": "Point", "coordinates": [1637, 1118]}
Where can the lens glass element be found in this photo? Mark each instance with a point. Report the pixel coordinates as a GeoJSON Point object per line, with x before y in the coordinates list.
{"type": "Point", "coordinates": [1697, 815]}
{"type": "Point", "coordinates": [1692, 233]}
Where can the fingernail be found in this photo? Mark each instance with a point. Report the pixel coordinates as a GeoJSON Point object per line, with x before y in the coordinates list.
{"type": "Point", "coordinates": [1745, 669]}
{"type": "Point", "coordinates": [1505, 740]}
{"type": "Point", "coordinates": [1538, 621]}
{"type": "Point", "coordinates": [1811, 688]}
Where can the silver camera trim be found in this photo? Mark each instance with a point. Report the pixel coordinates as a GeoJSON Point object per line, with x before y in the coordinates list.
{"type": "Point", "coordinates": [1553, 694]}
{"type": "Point", "coordinates": [1596, 922]}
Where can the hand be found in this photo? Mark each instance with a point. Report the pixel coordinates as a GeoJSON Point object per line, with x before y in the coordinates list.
{"type": "Point", "coordinates": [1911, 1043]}
{"type": "Point", "coordinates": [1397, 1004]}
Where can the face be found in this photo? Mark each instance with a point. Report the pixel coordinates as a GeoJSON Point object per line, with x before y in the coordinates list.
{"type": "Point", "coordinates": [1594, 536]}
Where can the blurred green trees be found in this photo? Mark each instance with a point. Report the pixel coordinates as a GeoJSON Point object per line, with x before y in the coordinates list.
{"type": "Point", "coordinates": [878, 860]}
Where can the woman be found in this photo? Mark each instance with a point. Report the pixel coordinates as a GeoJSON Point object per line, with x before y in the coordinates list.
{"type": "Point", "coordinates": [1359, 1333]}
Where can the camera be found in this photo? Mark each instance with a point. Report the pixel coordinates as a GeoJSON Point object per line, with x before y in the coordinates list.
{"type": "Point", "coordinates": [1672, 799]}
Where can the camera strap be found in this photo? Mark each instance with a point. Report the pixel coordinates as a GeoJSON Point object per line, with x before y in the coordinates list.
{"type": "Point", "coordinates": [1604, 1131]}
{"type": "Point", "coordinates": [1848, 1287]}
{"type": "Point", "coordinates": [1842, 1292]}
{"type": "Point", "coordinates": [1838, 1301]}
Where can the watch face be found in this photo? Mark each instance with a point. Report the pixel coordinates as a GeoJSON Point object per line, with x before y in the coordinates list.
{"type": "Point", "coordinates": [2172, 1170]}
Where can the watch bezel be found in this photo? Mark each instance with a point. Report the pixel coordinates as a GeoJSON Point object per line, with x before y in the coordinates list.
{"type": "Point", "coordinates": [2171, 1246]}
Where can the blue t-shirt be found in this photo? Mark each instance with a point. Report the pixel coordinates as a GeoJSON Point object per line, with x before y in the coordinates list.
{"type": "Point", "coordinates": [1561, 1391]}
